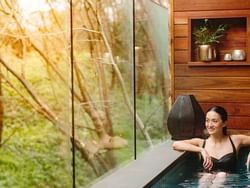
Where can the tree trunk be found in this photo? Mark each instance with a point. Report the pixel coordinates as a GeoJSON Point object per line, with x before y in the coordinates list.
{"type": "Point", "coordinates": [1, 111]}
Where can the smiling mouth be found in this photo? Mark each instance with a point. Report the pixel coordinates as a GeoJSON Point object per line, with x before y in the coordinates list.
{"type": "Point", "coordinates": [210, 129]}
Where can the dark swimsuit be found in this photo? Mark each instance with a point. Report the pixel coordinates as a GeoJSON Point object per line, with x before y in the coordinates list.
{"type": "Point", "coordinates": [227, 162]}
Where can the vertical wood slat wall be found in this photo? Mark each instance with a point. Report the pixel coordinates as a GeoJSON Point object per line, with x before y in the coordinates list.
{"type": "Point", "coordinates": [228, 86]}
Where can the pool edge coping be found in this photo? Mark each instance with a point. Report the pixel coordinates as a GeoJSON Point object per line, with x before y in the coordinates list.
{"type": "Point", "coordinates": [140, 172]}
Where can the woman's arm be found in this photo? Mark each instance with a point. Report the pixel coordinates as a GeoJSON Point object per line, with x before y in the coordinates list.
{"type": "Point", "coordinates": [243, 140]}
{"type": "Point", "coordinates": [194, 145]}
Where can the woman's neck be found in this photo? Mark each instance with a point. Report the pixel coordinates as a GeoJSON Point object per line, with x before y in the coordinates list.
{"type": "Point", "coordinates": [218, 138]}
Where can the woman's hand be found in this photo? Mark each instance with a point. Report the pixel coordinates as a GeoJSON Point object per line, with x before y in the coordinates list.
{"type": "Point", "coordinates": [207, 161]}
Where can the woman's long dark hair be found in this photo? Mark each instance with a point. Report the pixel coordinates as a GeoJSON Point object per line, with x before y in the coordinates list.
{"type": "Point", "coordinates": [223, 114]}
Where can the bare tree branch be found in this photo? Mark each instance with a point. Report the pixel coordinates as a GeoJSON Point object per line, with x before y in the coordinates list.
{"type": "Point", "coordinates": [117, 71]}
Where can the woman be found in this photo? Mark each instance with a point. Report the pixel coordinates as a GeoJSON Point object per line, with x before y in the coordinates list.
{"type": "Point", "coordinates": [219, 151]}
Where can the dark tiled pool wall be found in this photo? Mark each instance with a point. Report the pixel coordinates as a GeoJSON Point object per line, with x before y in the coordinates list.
{"type": "Point", "coordinates": [176, 172]}
{"type": "Point", "coordinates": [186, 170]}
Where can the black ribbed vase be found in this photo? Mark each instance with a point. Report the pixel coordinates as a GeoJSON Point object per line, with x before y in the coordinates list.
{"type": "Point", "coordinates": [186, 118]}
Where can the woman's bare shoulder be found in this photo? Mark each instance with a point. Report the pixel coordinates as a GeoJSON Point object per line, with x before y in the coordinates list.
{"type": "Point", "coordinates": [239, 136]}
{"type": "Point", "coordinates": [241, 139]}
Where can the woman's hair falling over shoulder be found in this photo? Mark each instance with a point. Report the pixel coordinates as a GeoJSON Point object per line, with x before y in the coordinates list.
{"type": "Point", "coordinates": [223, 114]}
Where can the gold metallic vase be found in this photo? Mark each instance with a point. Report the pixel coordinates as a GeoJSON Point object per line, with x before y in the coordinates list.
{"type": "Point", "coordinates": [206, 53]}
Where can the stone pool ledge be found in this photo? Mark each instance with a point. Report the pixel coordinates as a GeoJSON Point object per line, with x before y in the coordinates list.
{"type": "Point", "coordinates": [140, 172]}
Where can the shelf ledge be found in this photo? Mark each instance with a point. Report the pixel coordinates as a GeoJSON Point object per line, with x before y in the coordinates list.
{"type": "Point", "coordinates": [218, 63]}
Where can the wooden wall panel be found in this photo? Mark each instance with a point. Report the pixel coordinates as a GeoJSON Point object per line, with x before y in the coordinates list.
{"type": "Point", "coordinates": [181, 56]}
{"type": "Point", "coordinates": [233, 109]}
{"type": "Point", "coordinates": [197, 5]}
{"type": "Point", "coordinates": [224, 85]}
{"type": "Point", "coordinates": [224, 71]}
{"type": "Point", "coordinates": [180, 18]}
{"type": "Point", "coordinates": [239, 39]}
{"type": "Point", "coordinates": [248, 36]}
{"type": "Point", "coordinates": [236, 32]}
{"type": "Point", "coordinates": [217, 95]}
{"type": "Point", "coordinates": [238, 114]}
{"type": "Point", "coordinates": [185, 83]}
{"type": "Point", "coordinates": [181, 43]}
{"type": "Point", "coordinates": [239, 123]}
{"type": "Point", "coordinates": [181, 30]}
{"type": "Point", "coordinates": [183, 16]}
{"type": "Point", "coordinates": [239, 131]}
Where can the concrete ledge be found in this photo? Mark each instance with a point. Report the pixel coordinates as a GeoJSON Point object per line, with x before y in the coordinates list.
{"type": "Point", "coordinates": [140, 172]}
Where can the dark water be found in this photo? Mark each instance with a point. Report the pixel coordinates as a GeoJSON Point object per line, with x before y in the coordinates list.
{"type": "Point", "coordinates": [187, 174]}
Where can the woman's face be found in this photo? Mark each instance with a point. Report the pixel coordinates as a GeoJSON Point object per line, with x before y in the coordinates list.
{"type": "Point", "coordinates": [214, 123]}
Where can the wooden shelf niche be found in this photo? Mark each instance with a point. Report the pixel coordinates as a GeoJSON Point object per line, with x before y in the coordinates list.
{"type": "Point", "coordinates": [235, 38]}
{"type": "Point", "coordinates": [218, 63]}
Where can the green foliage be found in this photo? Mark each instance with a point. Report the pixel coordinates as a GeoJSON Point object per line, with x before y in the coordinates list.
{"type": "Point", "coordinates": [208, 34]}
{"type": "Point", "coordinates": [150, 109]}
{"type": "Point", "coordinates": [32, 158]}
{"type": "Point", "coordinates": [84, 174]}
{"type": "Point", "coordinates": [36, 154]}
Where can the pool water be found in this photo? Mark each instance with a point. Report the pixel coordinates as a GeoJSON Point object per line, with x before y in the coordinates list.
{"type": "Point", "coordinates": [186, 173]}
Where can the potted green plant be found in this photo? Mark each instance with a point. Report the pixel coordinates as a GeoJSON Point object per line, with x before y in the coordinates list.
{"type": "Point", "coordinates": [206, 37]}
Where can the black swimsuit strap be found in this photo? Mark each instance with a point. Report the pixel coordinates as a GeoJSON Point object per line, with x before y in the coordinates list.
{"type": "Point", "coordinates": [234, 149]}
{"type": "Point", "coordinates": [204, 143]}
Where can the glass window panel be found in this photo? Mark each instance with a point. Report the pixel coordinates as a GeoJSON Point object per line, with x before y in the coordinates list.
{"type": "Point", "coordinates": [35, 106]}
{"type": "Point", "coordinates": [152, 72]}
{"type": "Point", "coordinates": [103, 82]}
{"type": "Point", "coordinates": [35, 94]}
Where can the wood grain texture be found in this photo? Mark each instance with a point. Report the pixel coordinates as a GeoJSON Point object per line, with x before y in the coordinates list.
{"type": "Point", "coordinates": [224, 71]}
{"type": "Point", "coordinates": [181, 30]}
{"type": "Point", "coordinates": [192, 83]}
{"type": "Point", "coordinates": [238, 114]}
{"type": "Point", "coordinates": [222, 83]}
{"type": "Point", "coordinates": [197, 5]}
{"type": "Point", "coordinates": [181, 56]}
{"type": "Point", "coordinates": [239, 131]}
{"type": "Point", "coordinates": [217, 95]}
{"type": "Point", "coordinates": [239, 123]}
{"type": "Point", "coordinates": [181, 43]}
{"type": "Point", "coordinates": [233, 109]}
{"type": "Point", "coordinates": [183, 17]}
{"type": "Point", "coordinates": [219, 64]}
{"type": "Point", "coordinates": [248, 37]}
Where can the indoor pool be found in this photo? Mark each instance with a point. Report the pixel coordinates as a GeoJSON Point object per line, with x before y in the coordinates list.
{"type": "Point", "coordinates": [187, 173]}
